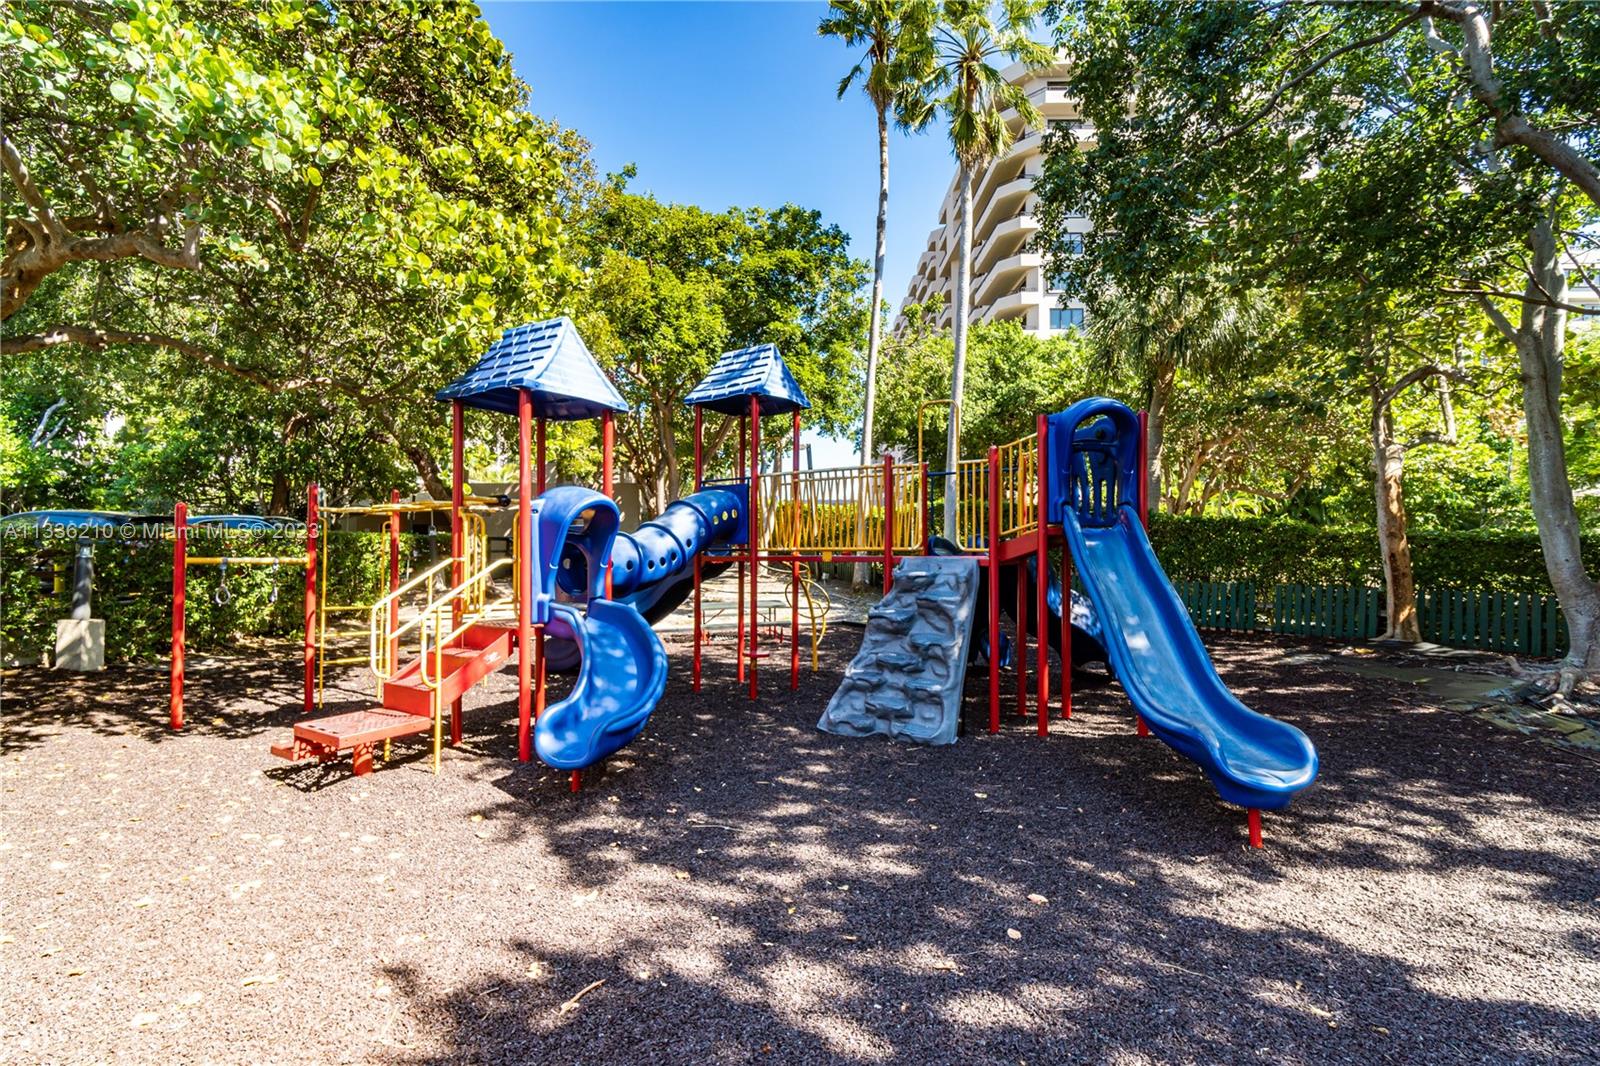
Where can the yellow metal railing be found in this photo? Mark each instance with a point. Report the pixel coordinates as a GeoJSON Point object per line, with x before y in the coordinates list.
{"type": "Point", "coordinates": [382, 638]}
{"type": "Point", "coordinates": [436, 618]}
{"type": "Point", "coordinates": [840, 510]}
{"type": "Point", "coordinates": [1018, 501]}
{"type": "Point", "coordinates": [1019, 486]}
{"type": "Point", "coordinates": [475, 533]}
{"type": "Point", "coordinates": [972, 503]}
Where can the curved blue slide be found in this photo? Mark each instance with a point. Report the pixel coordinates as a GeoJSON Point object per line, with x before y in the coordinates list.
{"type": "Point", "coordinates": [1252, 760]}
{"type": "Point", "coordinates": [621, 677]}
{"type": "Point", "coordinates": [621, 665]}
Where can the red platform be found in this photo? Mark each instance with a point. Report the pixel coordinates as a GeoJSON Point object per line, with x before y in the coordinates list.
{"type": "Point", "coordinates": [407, 702]}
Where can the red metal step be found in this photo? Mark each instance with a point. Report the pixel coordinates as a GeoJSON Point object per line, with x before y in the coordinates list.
{"type": "Point", "coordinates": [354, 731]}
{"type": "Point", "coordinates": [483, 649]}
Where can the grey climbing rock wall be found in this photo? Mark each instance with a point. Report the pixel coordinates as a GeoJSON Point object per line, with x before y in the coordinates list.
{"type": "Point", "coordinates": [906, 679]}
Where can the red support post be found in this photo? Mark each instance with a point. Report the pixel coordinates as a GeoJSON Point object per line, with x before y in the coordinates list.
{"type": "Point", "coordinates": [525, 576]}
{"type": "Point", "coordinates": [739, 472]}
{"type": "Point", "coordinates": [180, 595]}
{"type": "Point", "coordinates": [394, 573]}
{"type": "Point", "coordinates": [1022, 638]}
{"type": "Point", "coordinates": [1066, 629]}
{"type": "Point", "coordinates": [1144, 469]}
{"type": "Point", "coordinates": [1253, 816]}
{"type": "Point", "coordinates": [458, 531]}
{"type": "Point", "coordinates": [699, 483]}
{"type": "Point", "coordinates": [888, 523]}
{"type": "Point", "coordinates": [608, 447]}
{"type": "Point", "coordinates": [539, 678]}
{"type": "Point", "coordinates": [794, 570]}
{"type": "Point", "coordinates": [310, 653]}
{"type": "Point", "coordinates": [993, 537]}
{"type": "Point", "coordinates": [1041, 571]}
{"type": "Point", "coordinates": [755, 536]}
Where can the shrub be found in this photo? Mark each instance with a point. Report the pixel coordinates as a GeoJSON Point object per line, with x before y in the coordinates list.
{"type": "Point", "coordinates": [1273, 551]}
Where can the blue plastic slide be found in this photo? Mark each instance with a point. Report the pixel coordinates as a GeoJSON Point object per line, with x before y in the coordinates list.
{"type": "Point", "coordinates": [622, 675]}
{"type": "Point", "coordinates": [621, 665]}
{"type": "Point", "coordinates": [1252, 760]}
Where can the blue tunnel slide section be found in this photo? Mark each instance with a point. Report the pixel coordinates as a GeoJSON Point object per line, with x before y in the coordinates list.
{"type": "Point", "coordinates": [620, 663]}
{"type": "Point", "coordinates": [1252, 760]}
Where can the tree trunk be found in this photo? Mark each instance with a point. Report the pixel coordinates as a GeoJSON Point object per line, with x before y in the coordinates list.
{"type": "Point", "coordinates": [428, 471]}
{"type": "Point", "coordinates": [958, 373]}
{"type": "Point", "coordinates": [862, 575]}
{"type": "Point", "coordinates": [1540, 342]}
{"type": "Point", "coordinates": [669, 449]}
{"type": "Point", "coordinates": [1399, 581]}
{"type": "Point", "coordinates": [1155, 429]}
{"type": "Point", "coordinates": [279, 503]}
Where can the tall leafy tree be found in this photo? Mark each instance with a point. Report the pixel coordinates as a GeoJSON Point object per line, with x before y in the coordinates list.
{"type": "Point", "coordinates": [334, 206]}
{"type": "Point", "coordinates": [893, 72]}
{"type": "Point", "coordinates": [672, 286]}
{"type": "Point", "coordinates": [1371, 157]}
{"type": "Point", "coordinates": [1198, 325]}
{"type": "Point", "coordinates": [972, 49]}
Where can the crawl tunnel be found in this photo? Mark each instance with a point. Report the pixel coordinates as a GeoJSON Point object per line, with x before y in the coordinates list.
{"type": "Point", "coordinates": [662, 549]}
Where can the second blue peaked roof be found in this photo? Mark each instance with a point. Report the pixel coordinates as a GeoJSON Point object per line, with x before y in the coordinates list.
{"type": "Point", "coordinates": [737, 376]}
{"type": "Point", "coordinates": [550, 360]}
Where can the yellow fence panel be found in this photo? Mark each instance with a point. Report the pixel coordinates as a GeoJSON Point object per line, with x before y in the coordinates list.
{"type": "Point", "coordinates": [839, 510]}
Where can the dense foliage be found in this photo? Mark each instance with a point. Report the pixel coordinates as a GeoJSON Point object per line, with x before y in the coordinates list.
{"type": "Point", "coordinates": [672, 286]}
{"type": "Point", "coordinates": [283, 223]}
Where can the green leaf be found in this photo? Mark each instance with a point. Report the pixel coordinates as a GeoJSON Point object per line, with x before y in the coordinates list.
{"type": "Point", "coordinates": [122, 91]}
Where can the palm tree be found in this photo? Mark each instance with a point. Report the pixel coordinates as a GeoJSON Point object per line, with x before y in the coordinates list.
{"type": "Point", "coordinates": [898, 35]}
{"type": "Point", "coordinates": [974, 96]}
{"type": "Point", "coordinates": [1198, 325]}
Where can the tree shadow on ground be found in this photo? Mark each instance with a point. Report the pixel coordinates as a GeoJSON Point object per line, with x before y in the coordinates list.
{"type": "Point", "coordinates": [794, 895]}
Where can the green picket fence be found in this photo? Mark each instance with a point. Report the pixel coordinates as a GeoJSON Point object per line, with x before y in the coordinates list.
{"type": "Point", "coordinates": [1348, 612]}
{"type": "Point", "coordinates": [1518, 623]}
{"type": "Point", "coordinates": [1522, 623]}
{"type": "Point", "coordinates": [1219, 604]}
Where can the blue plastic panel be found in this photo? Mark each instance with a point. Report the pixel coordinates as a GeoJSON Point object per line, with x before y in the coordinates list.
{"type": "Point", "coordinates": [550, 360]}
{"type": "Point", "coordinates": [739, 375]}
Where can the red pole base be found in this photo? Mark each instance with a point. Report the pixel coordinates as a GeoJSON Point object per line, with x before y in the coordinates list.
{"type": "Point", "coordinates": [1144, 730]}
{"type": "Point", "coordinates": [1254, 817]}
{"type": "Point", "coordinates": [576, 781]}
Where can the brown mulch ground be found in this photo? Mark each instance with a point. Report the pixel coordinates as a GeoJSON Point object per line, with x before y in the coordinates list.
{"type": "Point", "coordinates": [739, 887]}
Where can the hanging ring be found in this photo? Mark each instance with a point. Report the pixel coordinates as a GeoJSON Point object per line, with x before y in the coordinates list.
{"type": "Point", "coordinates": [222, 596]}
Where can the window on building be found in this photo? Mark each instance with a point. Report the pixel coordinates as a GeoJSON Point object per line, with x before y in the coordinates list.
{"type": "Point", "coordinates": [1066, 318]}
{"type": "Point", "coordinates": [1068, 124]}
{"type": "Point", "coordinates": [1056, 86]}
{"type": "Point", "coordinates": [1072, 243]}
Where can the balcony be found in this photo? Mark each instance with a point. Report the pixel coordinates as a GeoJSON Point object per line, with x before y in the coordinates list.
{"type": "Point", "coordinates": [1005, 240]}
{"type": "Point", "coordinates": [1003, 201]}
{"type": "Point", "coordinates": [1003, 276]}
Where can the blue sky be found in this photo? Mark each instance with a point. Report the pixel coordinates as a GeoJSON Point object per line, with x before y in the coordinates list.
{"type": "Point", "coordinates": [724, 104]}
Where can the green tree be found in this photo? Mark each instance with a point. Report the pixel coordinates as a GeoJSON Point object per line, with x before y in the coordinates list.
{"type": "Point", "coordinates": [974, 95]}
{"type": "Point", "coordinates": [337, 208]}
{"type": "Point", "coordinates": [672, 286]}
{"type": "Point", "coordinates": [1378, 159]}
{"type": "Point", "coordinates": [1199, 325]}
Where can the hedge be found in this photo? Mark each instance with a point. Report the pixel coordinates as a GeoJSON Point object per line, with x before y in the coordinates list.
{"type": "Point", "coordinates": [133, 590]}
{"type": "Point", "coordinates": [1271, 552]}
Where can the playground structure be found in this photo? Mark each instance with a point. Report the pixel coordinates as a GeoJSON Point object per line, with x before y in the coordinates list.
{"type": "Point", "coordinates": [579, 594]}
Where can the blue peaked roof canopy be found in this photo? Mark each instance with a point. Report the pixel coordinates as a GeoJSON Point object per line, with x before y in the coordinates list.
{"type": "Point", "coordinates": [550, 360]}
{"type": "Point", "coordinates": [737, 376]}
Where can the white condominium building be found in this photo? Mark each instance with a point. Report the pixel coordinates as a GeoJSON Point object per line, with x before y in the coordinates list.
{"type": "Point", "coordinates": [1008, 279]}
